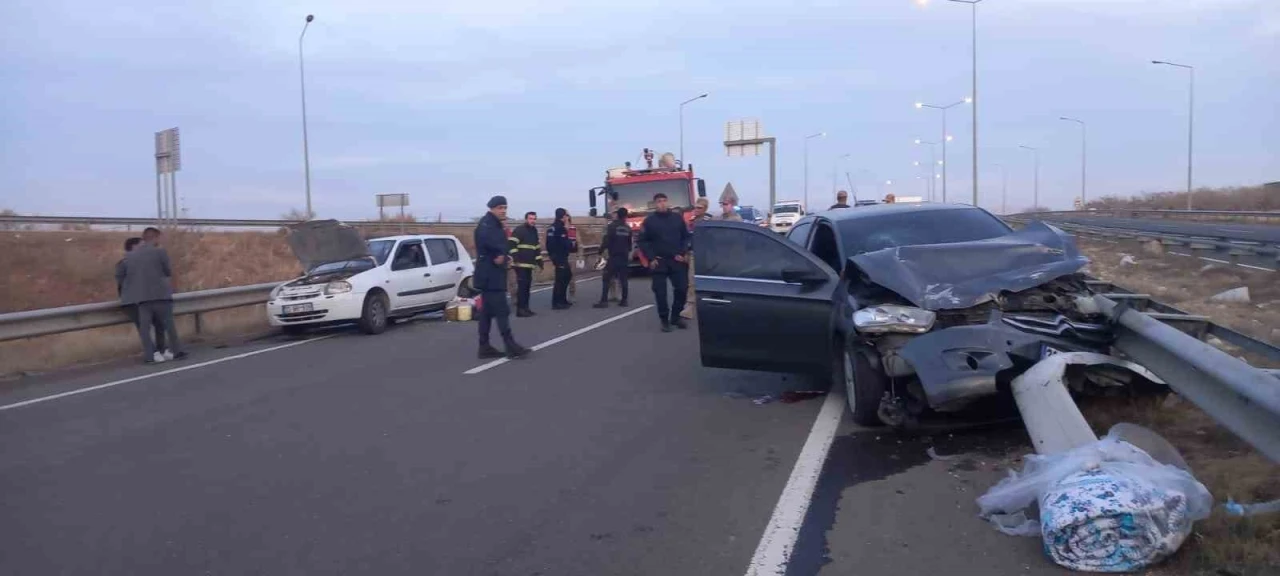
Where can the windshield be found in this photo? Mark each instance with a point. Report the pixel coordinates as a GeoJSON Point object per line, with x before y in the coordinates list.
{"type": "Point", "coordinates": [786, 209]}
{"type": "Point", "coordinates": [638, 196]}
{"type": "Point", "coordinates": [381, 250]}
{"type": "Point", "coordinates": [913, 228]}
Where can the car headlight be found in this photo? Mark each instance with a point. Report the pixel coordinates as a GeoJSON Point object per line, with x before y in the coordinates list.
{"type": "Point", "coordinates": [337, 287]}
{"type": "Point", "coordinates": [889, 318]}
{"type": "Point", "coordinates": [275, 292]}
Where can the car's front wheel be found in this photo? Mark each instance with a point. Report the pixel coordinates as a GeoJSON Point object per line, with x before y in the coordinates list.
{"type": "Point", "coordinates": [864, 385]}
{"type": "Point", "coordinates": [373, 318]}
{"type": "Point", "coordinates": [465, 289]}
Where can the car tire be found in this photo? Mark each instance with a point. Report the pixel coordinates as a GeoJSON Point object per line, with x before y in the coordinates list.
{"type": "Point", "coordinates": [466, 289]}
{"type": "Point", "coordinates": [864, 385]}
{"type": "Point", "coordinates": [293, 330]}
{"type": "Point", "coordinates": [373, 317]}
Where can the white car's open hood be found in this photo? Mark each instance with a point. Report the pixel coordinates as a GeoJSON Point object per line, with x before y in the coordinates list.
{"type": "Point", "coordinates": [317, 242]}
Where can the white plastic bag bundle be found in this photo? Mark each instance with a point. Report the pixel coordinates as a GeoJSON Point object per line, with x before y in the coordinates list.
{"type": "Point", "coordinates": [1104, 507]}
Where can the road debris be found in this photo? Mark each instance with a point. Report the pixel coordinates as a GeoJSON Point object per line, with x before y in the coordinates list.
{"type": "Point", "coordinates": [1235, 295]}
{"type": "Point", "coordinates": [1127, 260]}
{"type": "Point", "coordinates": [1153, 247]}
{"type": "Point", "coordinates": [1236, 509]}
{"type": "Point", "coordinates": [762, 400]}
{"type": "Point", "coordinates": [1107, 506]}
{"type": "Point", "coordinates": [793, 396]}
{"type": "Point", "coordinates": [933, 455]}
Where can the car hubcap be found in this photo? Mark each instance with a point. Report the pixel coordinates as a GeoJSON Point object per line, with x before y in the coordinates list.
{"type": "Point", "coordinates": [377, 313]}
{"type": "Point", "coordinates": [848, 381]}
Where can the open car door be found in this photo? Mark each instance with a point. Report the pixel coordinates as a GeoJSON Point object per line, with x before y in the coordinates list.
{"type": "Point", "coordinates": [764, 303]}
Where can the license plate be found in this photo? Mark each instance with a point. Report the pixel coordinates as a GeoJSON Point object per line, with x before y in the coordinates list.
{"type": "Point", "coordinates": [297, 308]}
{"type": "Point", "coordinates": [1047, 351]}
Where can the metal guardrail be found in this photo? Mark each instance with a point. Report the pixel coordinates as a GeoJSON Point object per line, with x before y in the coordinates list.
{"type": "Point", "coordinates": [218, 222]}
{"type": "Point", "coordinates": [1149, 212]}
{"type": "Point", "coordinates": [1231, 249]}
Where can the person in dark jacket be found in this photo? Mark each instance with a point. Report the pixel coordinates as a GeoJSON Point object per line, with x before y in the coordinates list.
{"type": "Point", "coordinates": [145, 280]}
{"type": "Point", "coordinates": [492, 259]}
{"type": "Point", "coordinates": [664, 241]}
{"type": "Point", "coordinates": [616, 248]}
{"type": "Point", "coordinates": [842, 200]}
{"type": "Point", "coordinates": [131, 310]}
{"type": "Point", "coordinates": [527, 255]}
{"type": "Point", "coordinates": [558, 248]}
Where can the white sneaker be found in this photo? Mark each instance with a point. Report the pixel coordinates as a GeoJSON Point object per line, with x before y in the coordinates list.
{"type": "Point", "coordinates": [168, 355]}
{"type": "Point", "coordinates": [158, 357]}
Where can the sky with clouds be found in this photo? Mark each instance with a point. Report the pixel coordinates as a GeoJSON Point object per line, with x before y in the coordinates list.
{"type": "Point", "coordinates": [453, 102]}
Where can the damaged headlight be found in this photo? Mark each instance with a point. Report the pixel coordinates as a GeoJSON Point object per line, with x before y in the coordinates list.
{"type": "Point", "coordinates": [889, 318]}
{"type": "Point", "coordinates": [337, 287]}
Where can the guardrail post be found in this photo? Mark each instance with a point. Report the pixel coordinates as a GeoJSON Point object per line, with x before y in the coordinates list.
{"type": "Point", "coordinates": [199, 322]}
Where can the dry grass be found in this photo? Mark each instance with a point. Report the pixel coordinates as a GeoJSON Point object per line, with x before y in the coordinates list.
{"type": "Point", "coordinates": [1251, 198]}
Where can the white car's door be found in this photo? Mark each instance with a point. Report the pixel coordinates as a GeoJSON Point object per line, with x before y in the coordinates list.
{"type": "Point", "coordinates": [446, 269]}
{"type": "Point", "coordinates": [409, 280]}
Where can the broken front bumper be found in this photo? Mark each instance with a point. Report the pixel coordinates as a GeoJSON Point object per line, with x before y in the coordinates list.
{"type": "Point", "coordinates": [959, 364]}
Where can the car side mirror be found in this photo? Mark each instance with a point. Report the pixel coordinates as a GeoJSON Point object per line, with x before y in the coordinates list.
{"type": "Point", "coordinates": [591, 197]}
{"type": "Point", "coordinates": [593, 212]}
{"type": "Point", "coordinates": [795, 276]}
{"type": "Point", "coordinates": [702, 188]}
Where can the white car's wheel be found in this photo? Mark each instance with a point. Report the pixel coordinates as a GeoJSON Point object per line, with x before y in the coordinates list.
{"type": "Point", "coordinates": [373, 318]}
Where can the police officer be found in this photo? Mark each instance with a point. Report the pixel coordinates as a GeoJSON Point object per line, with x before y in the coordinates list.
{"type": "Point", "coordinates": [617, 249]}
{"type": "Point", "coordinates": [490, 279]}
{"type": "Point", "coordinates": [664, 241]}
{"type": "Point", "coordinates": [527, 255]}
{"type": "Point", "coordinates": [559, 245]}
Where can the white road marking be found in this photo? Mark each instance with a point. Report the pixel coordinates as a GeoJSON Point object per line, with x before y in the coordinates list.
{"type": "Point", "coordinates": [1255, 267]}
{"type": "Point", "coordinates": [1179, 254]}
{"type": "Point", "coordinates": [779, 538]}
{"type": "Point", "coordinates": [559, 339]}
{"type": "Point", "coordinates": [183, 368]}
{"type": "Point", "coordinates": [1206, 259]}
{"type": "Point", "coordinates": [545, 288]}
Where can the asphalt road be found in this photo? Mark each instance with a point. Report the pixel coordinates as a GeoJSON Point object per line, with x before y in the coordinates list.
{"type": "Point", "coordinates": [1246, 232]}
{"type": "Point", "coordinates": [609, 452]}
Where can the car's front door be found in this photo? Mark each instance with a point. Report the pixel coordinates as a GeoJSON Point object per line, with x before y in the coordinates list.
{"type": "Point", "coordinates": [409, 282]}
{"type": "Point", "coordinates": [446, 269]}
{"type": "Point", "coordinates": [764, 303]}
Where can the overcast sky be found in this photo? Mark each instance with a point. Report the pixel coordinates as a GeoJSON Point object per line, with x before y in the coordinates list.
{"type": "Point", "coordinates": [452, 103]}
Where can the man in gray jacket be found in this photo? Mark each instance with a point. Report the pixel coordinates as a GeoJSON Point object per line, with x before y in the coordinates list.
{"type": "Point", "coordinates": [146, 281]}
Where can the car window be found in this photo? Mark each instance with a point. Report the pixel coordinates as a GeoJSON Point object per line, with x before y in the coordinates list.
{"type": "Point", "coordinates": [800, 233]}
{"type": "Point", "coordinates": [442, 250]}
{"type": "Point", "coordinates": [825, 247]}
{"type": "Point", "coordinates": [746, 253]}
{"type": "Point", "coordinates": [409, 255]}
{"type": "Point", "coordinates": [381, 250]}
{"type": "Point", "coordinates": [917, 227]}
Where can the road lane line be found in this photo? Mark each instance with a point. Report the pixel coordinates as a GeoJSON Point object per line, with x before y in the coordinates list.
{"type": "Point", "coordinates": [559, 339]}
{"type": "Point", "coordinates": [1179, 254]}
{"type": "Point", "coordinates": [183, 368]}
{"type": "Point", "coordinates": [1256, 267]}
{"type": "Point", "coordinates": [545, 288]}
{"type": "Point", "coordinates": [779, 538]}
{"type": "Point", "coordinates": [1214, 260]}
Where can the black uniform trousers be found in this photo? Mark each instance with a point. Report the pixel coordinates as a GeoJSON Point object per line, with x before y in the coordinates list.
{"type": "Point", "coordinates": [560, 292]}
{"type": "Point", "coordinates": [617, 267]}
{"type": "Point", "coordinates": [524, 281]}
{"type": "Point", "coordinates": [677, 273]}
{"type": "Point", "coordinates": [493, 306]}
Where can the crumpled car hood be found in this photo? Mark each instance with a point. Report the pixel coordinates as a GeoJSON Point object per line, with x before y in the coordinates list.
{"type": "Point", "coordinates": [965, 274]}
{"type": "Point", "coordinates": [319, 242]}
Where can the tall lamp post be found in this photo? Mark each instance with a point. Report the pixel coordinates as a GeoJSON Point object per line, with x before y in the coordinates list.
{"type": "Point", "coordinates": [1004, 189]}
{"type": "Point", "coordinates": [945, 137]}
{"type": "Point", "coordinates": [973, 93]}
{"type": "Point", "coordinates": [806, 165]}
{"type": "Point", "coordinates": [933, 166]}
{"type": "Point", "coordinates": [1035, 202]}
{"type": "Point", "coordinates": [302, 80]}
{"type": "Point", "coordinates": [835, 171]}
{"type": "Point", "coordinates": [698, 97]}
{"type": "Point", "coordinates": [1191, 118]}
{"type": "Point", "coordinates": [1084, 162]}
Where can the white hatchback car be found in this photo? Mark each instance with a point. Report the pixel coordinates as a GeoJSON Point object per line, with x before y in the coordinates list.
{"type": "Point", "coordinates": [369, 282]}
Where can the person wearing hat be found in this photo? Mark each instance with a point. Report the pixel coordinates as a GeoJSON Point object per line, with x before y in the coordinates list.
{"type": "Point", "coordinates": [616, 247]}
{"type": "Point", "coordinates": [699, 215]}
{"type": "Point", "coordinates": [664, 241]}
{"type": "Point", "coordinates": [492, 261]}
{"type": "Point", "coordinates": [559, 245]}
{"type": "Point", "coordinates": [842, 200]}
{"type": "Point", "coordinates": [728, 200]}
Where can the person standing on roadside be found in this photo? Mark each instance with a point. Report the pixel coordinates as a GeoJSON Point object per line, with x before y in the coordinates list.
{"type": "Point", "coordinates": [558, 248]}
{"type": "Point", "coordinates": [572, 232]}
{"type": "Point", "coordinates": [617, 249]}
{"type": "Point", "coordinates": [131, 310]}
{"type": "Point", "coordinates": [492, 259]}
{"type": "Point", "coordinates": [842, 200]}
{"type": "Point", "coordinates": [146, 281]}
{"type": "Point", "coordinates": [664, 241]}
{"type": "Point", "coordinates": [699, 215]}
{"type": "Point", "coordinates": [527, 255]}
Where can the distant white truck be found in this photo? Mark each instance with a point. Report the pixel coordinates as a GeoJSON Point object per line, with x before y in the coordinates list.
{"type": "Point", "coordinates": [785, 214]}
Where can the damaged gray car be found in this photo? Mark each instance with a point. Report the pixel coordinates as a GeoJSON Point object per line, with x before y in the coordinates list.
{"type": "Point", "coordinates": [914, 308]}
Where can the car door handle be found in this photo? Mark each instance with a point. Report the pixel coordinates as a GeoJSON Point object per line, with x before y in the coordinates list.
{"type": "Point", "coordinates": [458, 269]}
{"type": "Point", "coordinates": [427, 275]}
{"type": "Point", "coordinates": [717, 301]}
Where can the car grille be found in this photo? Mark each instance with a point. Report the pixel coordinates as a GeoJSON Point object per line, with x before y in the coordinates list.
{"type": "Point", "coordinates": [1059, 326]}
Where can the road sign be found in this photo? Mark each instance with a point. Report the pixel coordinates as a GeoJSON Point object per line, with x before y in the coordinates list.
{"type": "Point", "coordinates": [742, 138]}
{"type": "Point", "coordinates": [168, 151]}
{"type": "Point", "coordinates": [393, 200]}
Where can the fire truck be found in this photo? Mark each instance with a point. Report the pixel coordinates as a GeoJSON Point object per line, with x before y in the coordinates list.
{"type": "Point", "coordinates": [633, 189]}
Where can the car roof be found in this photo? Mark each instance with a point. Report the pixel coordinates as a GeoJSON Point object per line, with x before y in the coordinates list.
{"type": "Point", "coordinates": [872, 211]}
{"type": "Point", "coordinates": [414, 237]}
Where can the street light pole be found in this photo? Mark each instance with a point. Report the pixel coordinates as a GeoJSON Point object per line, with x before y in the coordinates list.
{"type": "Point", "coordinates": [302, 80]}
{"type": "Point", "coordinates": [806, 165]}
{"type": "Point", "coordinates": [1004, 189]}
{"type": "Point", "coordinates": [945, 137]}
{"type": "Point", "coordinates": [1035, 202]}
{"type": "Point", "coordinates": [973, 93]}
{"type": "Point", "coordinates": [933, 167]}
{"type": "Point", "coordinates": [835, 170]}
{"type": "Point", "coordinates": [1084, 159]}
{"type": "Point", "coordinates": [1191, 118]}
{"type": "Point", "coordinates": [699, 97]}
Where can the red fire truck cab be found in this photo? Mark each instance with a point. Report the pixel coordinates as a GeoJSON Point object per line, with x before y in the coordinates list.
{"type": "Point", "coordinates": [634, 189]}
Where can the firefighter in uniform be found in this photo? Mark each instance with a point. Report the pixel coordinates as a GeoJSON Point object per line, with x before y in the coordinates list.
{"type": "Point", "coordinates": [526, 255]}
{"type": "Point", "coordinates": [616, 247]}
